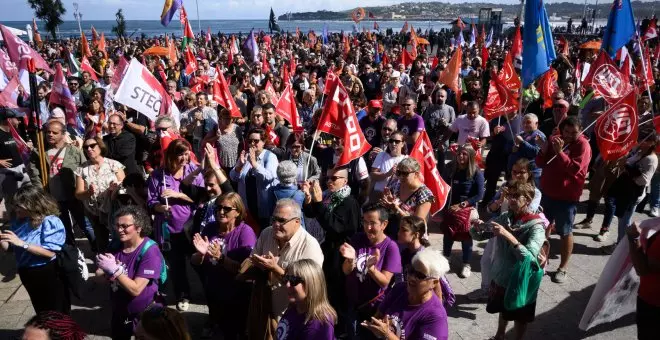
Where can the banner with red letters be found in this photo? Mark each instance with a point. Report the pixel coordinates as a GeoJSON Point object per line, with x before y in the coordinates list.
{"type": "Point", "coordinates": [339, 119]}
{"type": "Point", "coordinates": [19, 51]}
{"type": "Point", "coordinates": [616, 129]}
{"type": "Point", "coordinates": [424, 154]}
{"type": "Point", "coordinates": [605, 78]}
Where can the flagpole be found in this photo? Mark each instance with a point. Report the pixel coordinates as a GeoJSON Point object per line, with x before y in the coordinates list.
{"type": "Point", "coordinates": [648, 89]}
{"type": "Point", "coordinates": [309, 159]}
{"type": "Point", "coordinates": [578, 136]}
{"type": "Point", "coordinates": [199, 23]}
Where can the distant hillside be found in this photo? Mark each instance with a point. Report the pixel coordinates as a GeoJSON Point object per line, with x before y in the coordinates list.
{"type": "Point", "coordinates": [441, 10]}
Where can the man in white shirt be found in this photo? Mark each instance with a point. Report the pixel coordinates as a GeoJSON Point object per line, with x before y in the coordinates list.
{"type": "Point", "coordinates": [281, 244]}
{"type": "Point", "coordinates": [470, 124]}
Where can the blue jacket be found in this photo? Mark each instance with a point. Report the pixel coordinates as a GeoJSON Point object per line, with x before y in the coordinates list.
{"type": "Point", "coordinates": [527, 149]}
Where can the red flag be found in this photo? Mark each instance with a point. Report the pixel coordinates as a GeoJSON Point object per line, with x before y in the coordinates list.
{"type": "Point", "coordinates": [8, 67]}
{"type": "Point", "coordinates": [86, 66]}
{"type": "Point", "coordinates": [413, 42]}
{"type": "Point", "coordinates": [424, 154]}
{"type": "Point", "coordinates": [434, 63]}
{"type": "Point", "coordinates": [101, 46]}
{"type": "Point", "coordinates": [120, 71]}
{"type": "Point", "coordinates": [292, 65]}
{"type": "Point", "coordinates": [405, 58]}
{"type": "Point", "coordinates": [284, 74]}
{"type": "Point", "coordinates": [548, 86]}
{"type": "Point", "coordinates": [183, 16]}
{"type": "Point", "coordinates": [330, 77]}
{"type": "Point", "coordinates": [208, 35]}
{"type": "Point", "coordinates": [230, 58]}
{"type": "Point", "coordinates": [339, 119]}
{"type": "Point", "coordinates": [605, 78]}
{"type": "Point", "coordinates": [500, 101]}
{"type": "Point", "coordinates": [286, 108]}
{"type": "Point", "coordinates": [563, 45]}
{"type": "Point", "coordinates": [625, 68]}
{"type": "Point", "coordinates": [223, 97]}
{"type": "Point", "coordinates": [85, 51]}
{"type": "Point", "coordinates": [450, 76]}
{"type": "Point", "coordinates": [616, 129]}
{"type": "Point", "coordinates": [272, 136]}
{"type": "Point", "coordinates": [171, 50]}
{"type": "Point", "coordinates": [516, 48]}
{"type": "Point", "coordinates": [61, 95]}
{"type": "Point", "coordinates": [271, 91]}
{"type": "Point", "coordinates": [646, 79]}
{"type": "Point", "coordinates": [478, 157]}
{"type": "Point", "coordinates": [386, 59]}
{"type": "Point", "coordinates": [508, 74]}
{"type": "Point", "coordinates": [482, 36]}
{"type": "Point", "coordinates": [95, 37]}
{"type": "Point", "coordinates": [651, 31]}
{"type": "Point", "coordinates": [265, 65]}
{"type": "Point", "coordinates": [484, 56]}
{"type": "Point", "coordinates": [23, 148]}
{"type": "Point", "coordinates": [191, 62]}
{"type": "Point", "coordinates": [19, 52]}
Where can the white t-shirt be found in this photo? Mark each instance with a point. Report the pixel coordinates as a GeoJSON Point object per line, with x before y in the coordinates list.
{"type": "Point", "coordinates": [384, 162]}
{"type": "Point", "coordinates": [363, 171]}
{"type": "Point", "coordinates": [477, 128]}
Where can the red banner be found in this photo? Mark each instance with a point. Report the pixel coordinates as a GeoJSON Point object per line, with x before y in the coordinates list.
{"type": "Point", "coordinates": [223, 97]}
{"type": "Point", "coordinates": [500, 101]}
{"type": "Point", "coordinates": [191, 62]}
{"type": "Point", "coordinates": [339, 119]}
{"type": "Point", "coordinates": [450, 76]}
{"type": "Point", "coordinates": [86, 66]}
{"type": "Point", "coordinates": [605, 78]}
{"type": "Point", "coordinates": [271, 91]}
{"type": "Point", "coordinates": [7, 66]}
{"type": "Point", "coordinates": [508, 74]}
{"type": "Point", "coordinates": [424, 154]}
{"type": "Point", "coordinates": [61, 95]}
{"type": "Point", "coordinates": [548, 86]}
{"type": "Point", "coordinates": [616, 129]}
{"type": "Point", "coordinates": [19, 52]}
{"type": "Point", "coordinates": [286, 108]}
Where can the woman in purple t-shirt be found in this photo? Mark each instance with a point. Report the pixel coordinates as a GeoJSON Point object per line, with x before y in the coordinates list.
{"type": "Point", "coordinates": [370, 262]}
{"type": "Point", "coordinates": [414, 310]}
{"type": "Point", "coordinates": [169, 190]}
{"type": "Point", "coordinates": [309, 315]}
{"type": "Point", "coordinates": [133, 271]}
{"type": "Point", "coordinates": [221, 248]}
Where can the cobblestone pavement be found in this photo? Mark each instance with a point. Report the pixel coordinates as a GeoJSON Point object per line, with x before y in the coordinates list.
{"type": "Point", "coordinates": [559, 306]}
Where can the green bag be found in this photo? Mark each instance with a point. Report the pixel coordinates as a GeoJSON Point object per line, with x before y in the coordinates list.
{"type": "Point", "coordinates": [524, 284]}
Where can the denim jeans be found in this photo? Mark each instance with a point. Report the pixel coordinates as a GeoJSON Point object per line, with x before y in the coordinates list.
{"type": "Point", "coordinates": [447, 243]}
{"type": "Point", "coordinates": [654, 199]}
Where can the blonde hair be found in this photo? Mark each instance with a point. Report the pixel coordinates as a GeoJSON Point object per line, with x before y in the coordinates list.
{"type": "Point", "coordinates": [472, 163]}
{"type": "Point", "coordinates": [318, 306]}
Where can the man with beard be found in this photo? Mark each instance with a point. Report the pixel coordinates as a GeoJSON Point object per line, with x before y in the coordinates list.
{"type": "Point", "coordinates": [372, 123]}
{"type": "Point", "coordinates": [389, 126]}
{"type": "Point", "coordinates": [120, 144]}
{"type": "Point", "coordinates": [438, 117]}
{"type": "Point", "coordinates": [276, 133]}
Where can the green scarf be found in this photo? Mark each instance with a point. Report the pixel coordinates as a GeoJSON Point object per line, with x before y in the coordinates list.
{"type": "Point", "coordinates": [333, 199]}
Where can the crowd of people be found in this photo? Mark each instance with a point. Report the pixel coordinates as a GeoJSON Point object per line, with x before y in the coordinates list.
{"type": "Point", "coordinates": [288, 245]}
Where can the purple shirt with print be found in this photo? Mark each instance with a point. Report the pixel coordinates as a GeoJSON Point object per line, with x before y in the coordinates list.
{"type": "Point", "coordinates": [236, 245]}
{"type": "Point", "coordinates": [360, 287]}
{"type": "Point", "coordinates": [292, 327]}
{"type": "Point", "coordinates": [180, 210]}
{"type": "Point", "coordinates": [425, 321]}
{"type": "Point", "coordinates": [149, 268]}
{"type": "Point", "coordinates": [408, 126]}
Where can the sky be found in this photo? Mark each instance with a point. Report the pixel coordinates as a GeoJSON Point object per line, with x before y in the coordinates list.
{"type": "Point", "coordinates": [208, 9]}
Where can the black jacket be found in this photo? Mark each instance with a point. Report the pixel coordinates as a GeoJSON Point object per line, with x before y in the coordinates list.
{"type": "Point", "coordinates": [122, 149]}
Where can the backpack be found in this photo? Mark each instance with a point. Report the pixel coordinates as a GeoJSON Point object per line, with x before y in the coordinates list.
{"type": "Point", "coordinates": [163, 268]}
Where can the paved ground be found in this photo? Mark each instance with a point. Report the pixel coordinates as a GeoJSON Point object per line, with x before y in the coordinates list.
{"type": "Point", "coordinates": [559, 307]}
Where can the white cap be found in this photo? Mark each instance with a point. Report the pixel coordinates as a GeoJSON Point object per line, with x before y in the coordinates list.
{"type": "Point", "coordinates": [395, 74]}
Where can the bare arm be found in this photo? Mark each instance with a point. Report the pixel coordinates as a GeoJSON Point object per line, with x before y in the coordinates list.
{"type": "Point", "coordinates": [382, 278]}
{"type": "Point", "coordinates": [133, 287]}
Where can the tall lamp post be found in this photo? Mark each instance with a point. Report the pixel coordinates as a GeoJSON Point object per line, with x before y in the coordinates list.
{"type": "Point", "coordinates": [77, 15]}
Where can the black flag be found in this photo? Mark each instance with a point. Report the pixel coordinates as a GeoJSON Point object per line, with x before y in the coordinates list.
{"type": "Point", "coordinates": [272, 23]}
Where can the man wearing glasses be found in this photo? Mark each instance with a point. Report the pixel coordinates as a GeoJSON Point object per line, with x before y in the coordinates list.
{"type": "Point", "coordinates": [281, 244]}
{"type": "Point", "coordinates": [410, 123]}
{"type": "Point", "coordinates": [121, 144]}
{"type": "Point", "coordinates": [78, 96]}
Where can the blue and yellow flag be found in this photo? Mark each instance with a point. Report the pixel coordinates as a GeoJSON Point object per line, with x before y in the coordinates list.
{"type": "Point", "coordinates": [620, 27]}
{"type": "Point", "coordinates": [538, 47]}
{"type": "Point", "coordinates": [169, 9]}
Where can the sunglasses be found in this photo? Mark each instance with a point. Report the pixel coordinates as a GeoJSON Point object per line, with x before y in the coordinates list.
{"type": "Point", "coordinates": [415, 274]}
{"type": "Point", "coordinates": [292, 280]}
{"type": "Point", "coordinates": [395, 141]}
{"type": "Point", "coordinates": [254, 141]}
{"type": "Point", "coordinates": [90, 146]}
{"type": "Point", "coordinates": [281, 220]}
{"type": "Point", "coordinates": [406, 105]}
{"type": "Point", "coordinates": [161, 129]}
{"type": "Point", "coordinates": [400, 173]}
{"type": "Point", "coordinates": [335, 178]}
{"type": "Point", "coordinates": [224, 209]}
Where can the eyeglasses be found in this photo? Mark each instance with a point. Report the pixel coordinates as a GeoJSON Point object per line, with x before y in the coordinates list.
{"type": "Point", "coordinates": [292, 280]}
{"type": "Point", "coordinates": [123, 226]}
{"type": "Point", "coordinates": [400, 173]}
{"type": "Point", "coordinates": [394, 141]}
{"type": "Point", "coordinates": [406, 105]}
{"type": "Point", "coordinates": [224, 209]}
{"type": "Point", "coordinates": [334, 178]}
{"type": "Point", "coordinates": [161, 129]}
{"type": "Point", "coordinates": [254, 141]}
{"type": "Point", "coordinates": [281, 220]}
{"type": "Point", "coordinates": [73, 84]}
{"type": "Point", "coordinates": [114, 124]}
{"type": "Point", "coordinates": [90, 146]}
{"type": "Point", "coordinates": [415, 274]}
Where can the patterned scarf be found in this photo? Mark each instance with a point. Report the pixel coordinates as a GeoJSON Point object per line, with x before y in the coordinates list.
{"type": "Point", "coordinates": [333, 199]}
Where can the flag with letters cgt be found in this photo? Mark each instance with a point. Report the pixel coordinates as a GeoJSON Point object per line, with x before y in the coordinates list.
{"type": "Point", "coordinates": [141, 91]}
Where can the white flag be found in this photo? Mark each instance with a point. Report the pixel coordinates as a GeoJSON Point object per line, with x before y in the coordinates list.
{"type": "Point", "coordinates": [141, 91]}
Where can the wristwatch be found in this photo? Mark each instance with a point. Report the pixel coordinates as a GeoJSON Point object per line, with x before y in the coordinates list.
{"type": "Point", "coordinates": [25, 245]}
